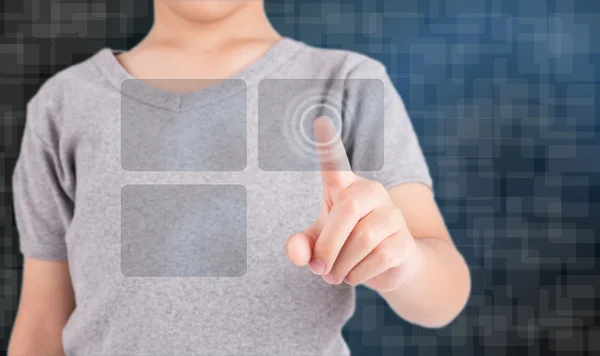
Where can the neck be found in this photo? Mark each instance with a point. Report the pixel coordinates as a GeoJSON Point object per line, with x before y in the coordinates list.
{"type": "Point", "coordinates": [248, 22]}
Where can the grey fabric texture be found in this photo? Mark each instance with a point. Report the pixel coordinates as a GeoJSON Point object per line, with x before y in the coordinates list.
{"type": "Point", "coordinates": [73, 179]}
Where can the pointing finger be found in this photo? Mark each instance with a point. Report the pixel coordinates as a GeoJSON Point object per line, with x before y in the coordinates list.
{"type": "Point", "coordinates": [333, 161]}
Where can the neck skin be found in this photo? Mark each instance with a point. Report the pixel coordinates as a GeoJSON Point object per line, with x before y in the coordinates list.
{"type": "Point", "coordinates": [248, 22]}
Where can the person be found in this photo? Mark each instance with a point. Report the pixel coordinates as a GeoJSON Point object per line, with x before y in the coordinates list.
{"type": "Point", "coordinates": [79, 185]}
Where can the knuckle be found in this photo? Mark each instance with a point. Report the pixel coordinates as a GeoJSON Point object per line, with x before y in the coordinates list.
{"type": "Point", "coordinates": [351, 206]}
{"type": "Point", "coordinates": [366, 238]}
{"type": "Point", "coordinates": [393, 218]}
{"type": "Point", "coordinates": [386, 256]}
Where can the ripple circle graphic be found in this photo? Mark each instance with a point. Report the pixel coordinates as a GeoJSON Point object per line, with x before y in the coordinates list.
{"type": "Point", "coordinates": [299, 110]}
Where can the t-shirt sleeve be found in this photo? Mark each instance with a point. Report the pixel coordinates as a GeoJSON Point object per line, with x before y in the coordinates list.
{"type": "Point", "coordinates": [379, 136]}
{"type": "Point", "coordinates": [43, 210]}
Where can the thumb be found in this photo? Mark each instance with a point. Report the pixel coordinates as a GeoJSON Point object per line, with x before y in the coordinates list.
{"type": "Point", "coordinates": [299, 247]}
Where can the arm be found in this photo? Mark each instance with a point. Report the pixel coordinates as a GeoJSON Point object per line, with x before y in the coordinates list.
{"type": "Point", "coordinates": [394, 242]}
{"type": "Point", "coordinates": [46, 303]}
{"type": "Point", "coordinates": [43, 189]}
{"type": "Point", "coordinates": [441, 284]}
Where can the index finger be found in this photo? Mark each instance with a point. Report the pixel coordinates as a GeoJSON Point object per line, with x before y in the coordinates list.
{"type": "Point", "coordinates": [333, 160]}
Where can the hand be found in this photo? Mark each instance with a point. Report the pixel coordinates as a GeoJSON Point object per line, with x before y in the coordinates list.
{"type": "Point", "coordinates": [360, 235]}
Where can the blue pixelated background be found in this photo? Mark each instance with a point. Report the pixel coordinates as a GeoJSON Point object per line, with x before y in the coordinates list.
{"type": "Point", "coordinates": [502, 95]}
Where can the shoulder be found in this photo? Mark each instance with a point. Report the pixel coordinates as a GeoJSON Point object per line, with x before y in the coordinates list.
{"type": "Point", "coordinates": [337, 63]}
{"type": "Point", "coordinates": [74, 79]}
{"type": "Point", "coordinates": [47, 107]}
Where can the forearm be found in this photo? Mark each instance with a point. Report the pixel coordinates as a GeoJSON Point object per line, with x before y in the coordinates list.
{"type": "Point", "coordinates": [437, 289]}
{"type": "Point", "coordinates": [42, 340]}
{"type": "Point", "coordinates": [47, 302]}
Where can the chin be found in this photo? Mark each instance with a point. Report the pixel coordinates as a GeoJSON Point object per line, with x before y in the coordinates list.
{"type": "Point", "coordinates": [204, 10]}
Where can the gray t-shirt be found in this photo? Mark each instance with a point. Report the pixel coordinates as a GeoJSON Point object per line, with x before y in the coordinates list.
{"type": "Point", "coordinates": [173, 210]}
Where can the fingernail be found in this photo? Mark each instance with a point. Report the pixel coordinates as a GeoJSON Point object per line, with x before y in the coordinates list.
{"type": "Point", "coordinates": [329, 279]}
{"type": "Point", "coordinates": [316, 266]}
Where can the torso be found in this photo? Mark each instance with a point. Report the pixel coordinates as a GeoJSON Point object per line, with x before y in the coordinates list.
{"type": "Point", "coordinates": [271, 308]}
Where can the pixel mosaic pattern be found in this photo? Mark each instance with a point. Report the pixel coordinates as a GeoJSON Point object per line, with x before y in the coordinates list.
{"type": "Point", "coordinates": [502, 94]}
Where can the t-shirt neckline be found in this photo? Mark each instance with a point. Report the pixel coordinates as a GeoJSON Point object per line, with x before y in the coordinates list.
{"type": "Point", "coordinates": [110, 67]}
